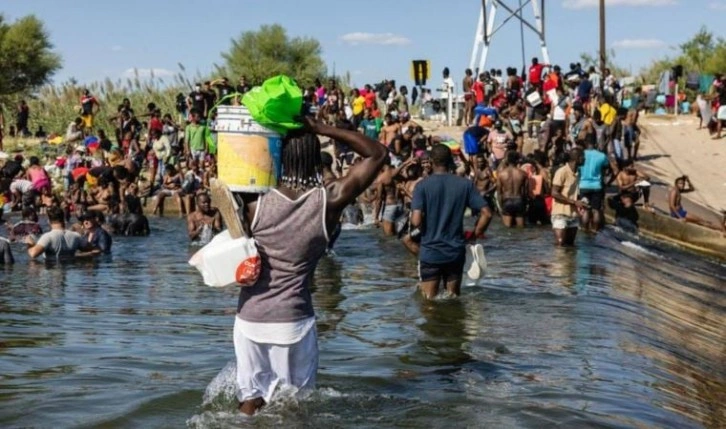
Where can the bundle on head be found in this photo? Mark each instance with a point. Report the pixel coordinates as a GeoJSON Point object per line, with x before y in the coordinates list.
{"type": "Point", "coordinates": [302, 166]}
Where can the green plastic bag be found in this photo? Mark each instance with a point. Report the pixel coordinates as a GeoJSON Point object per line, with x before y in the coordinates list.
{"type": "Point", "coordinates": [276, 104]}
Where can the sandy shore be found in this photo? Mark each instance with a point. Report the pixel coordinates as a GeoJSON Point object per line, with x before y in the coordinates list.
{"type": "Point", "coordinates": [673, 147]}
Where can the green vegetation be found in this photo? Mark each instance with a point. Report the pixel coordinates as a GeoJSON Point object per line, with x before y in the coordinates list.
{"type": "Point", "coordinates": [55, 107]}
{"type": "Point", "coordinates": [703, 53]}
{"type": "Point", "coordinates": [256, 54]}
{"type": "Point", "coordinates": [269, 52]}
{"type": "Point", "coordinates": [26, 58]}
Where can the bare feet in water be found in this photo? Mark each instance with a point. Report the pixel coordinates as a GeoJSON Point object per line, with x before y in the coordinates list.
{"type": "Point", "coordinates": [251, 406]}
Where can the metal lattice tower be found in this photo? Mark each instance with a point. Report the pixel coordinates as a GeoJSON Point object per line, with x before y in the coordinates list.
{"type": "Point", "coordinates": [485, 30]}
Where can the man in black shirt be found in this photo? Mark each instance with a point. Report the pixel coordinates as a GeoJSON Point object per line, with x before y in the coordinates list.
{"type": "Point", "coordinates": [197, 99]}
{"type": "Point", "coordinates": [210, 98]}
{"type": "Point", "coordinates": [224, 89]}
{"type": "Point", "coordinates": [22, 119]}
{"type": "Point", "coordinates": [242, 88]}
{"type": "Point", "coordinates": [125, 105]}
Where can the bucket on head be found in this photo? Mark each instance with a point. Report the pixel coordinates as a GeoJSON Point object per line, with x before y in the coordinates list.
{"type": "Point", "coordinates": [248, 154]}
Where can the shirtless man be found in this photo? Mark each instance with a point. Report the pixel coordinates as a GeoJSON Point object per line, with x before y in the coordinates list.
{"type": "Point", "coordinates": [406, 188]}
{"type": "Point", "coordinates": [676, 208]}
{"type": "Point", "coordinates": [483, 178]}
{"type": "Point", "coordinates": [105, 196]}
{"type": "Point", "coordinates": [469, 101]}
{"type": "Point", "coordinates": [512, 191]}
{"type": "Point", "coordinates": [514, 117]}
{"type": "Point", "coordinates": [630, 181]}
{"type": "Point", "coordinates": [205, 221]}
{"type": "Point", "coordinates": [389, 197]}
{"type": "Point", "coordinates": [390, 130]}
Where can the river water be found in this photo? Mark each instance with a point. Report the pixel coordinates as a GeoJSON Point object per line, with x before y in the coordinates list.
{"type": "Point", "coordinates": [608, 334]}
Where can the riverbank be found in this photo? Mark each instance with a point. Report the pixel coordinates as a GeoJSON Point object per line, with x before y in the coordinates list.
{"type": "Point", "coordinates": [672, 147]}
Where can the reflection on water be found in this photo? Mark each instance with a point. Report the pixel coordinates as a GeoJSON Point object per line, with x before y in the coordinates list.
{"type": "Point", "coordinates": [603, 335]}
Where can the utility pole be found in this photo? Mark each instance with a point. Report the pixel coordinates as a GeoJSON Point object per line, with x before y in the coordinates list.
{"type": "Point", "coordinates": [603, 58]}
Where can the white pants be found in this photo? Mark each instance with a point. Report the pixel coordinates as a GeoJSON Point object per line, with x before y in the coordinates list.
{"type": "Point", "coordinates": [262, 367]}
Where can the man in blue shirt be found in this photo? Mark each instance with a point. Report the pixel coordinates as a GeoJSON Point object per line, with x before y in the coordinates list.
{"type": "Point", "coordinates": [584, 89]}
{"type": "Point", "coordinates": [591, 186]}
{"type": "Point", "coordinates": [438, 205]}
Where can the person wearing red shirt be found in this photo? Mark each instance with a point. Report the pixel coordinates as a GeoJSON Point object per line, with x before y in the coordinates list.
{"type": "Point", "coordinates": [370, 96]}
{"type": "Point", "coordinates": [478, 89]}
{"type": "Point", "coordinates": [551, 83]}
{"type": "Point", "coordinates": [535, 73]}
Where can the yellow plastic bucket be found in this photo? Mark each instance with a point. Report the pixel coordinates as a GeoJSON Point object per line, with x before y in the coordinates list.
{"type": "Point", "coordinates": [248, 154]}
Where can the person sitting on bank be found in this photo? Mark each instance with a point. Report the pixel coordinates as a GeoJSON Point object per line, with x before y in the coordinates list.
{"type": "Point", "coordinates": [634, 182]}
{"type": "Point", "coordinates": [60, 243]}
{"type": "Point", "coordinates": [683, 185]}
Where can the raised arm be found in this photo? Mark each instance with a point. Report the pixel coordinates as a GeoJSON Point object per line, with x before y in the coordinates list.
{"type": "Point", "coordinates": [344, 190]}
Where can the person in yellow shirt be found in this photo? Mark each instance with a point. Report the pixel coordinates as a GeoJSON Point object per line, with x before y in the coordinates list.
{"type": "Point", "coordinates": [607, 112]}
{"type": "Point", "coordinates": [358, 104]}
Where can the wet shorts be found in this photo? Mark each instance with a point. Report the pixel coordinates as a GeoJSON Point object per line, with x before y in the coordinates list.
{"type": "Point", "coordinates": [447, 272]}
{"type": "Point", "coordinates": [594, 197]}
{"type": "Point", "coordinates": [392, 212]}
{"type": "Point", "coordinates": [513, 207]}
{"type": "Point", "coordinates": [565, 222]}
{"type": "Point", "coordinates": [261, 367]}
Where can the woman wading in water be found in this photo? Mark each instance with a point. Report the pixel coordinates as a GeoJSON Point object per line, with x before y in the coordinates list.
{"type": "Point", "coordinates": [275, 338]}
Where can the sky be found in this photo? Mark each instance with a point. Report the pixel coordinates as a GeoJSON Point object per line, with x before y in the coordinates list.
{"type": "Point", "coordinates": [372, 40]}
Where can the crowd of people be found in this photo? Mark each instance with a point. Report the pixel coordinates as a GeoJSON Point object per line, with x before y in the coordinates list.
{"type": "Point", "coordinates": [540, 149]}
{"type": "Point", "coordinates": [584, 142]}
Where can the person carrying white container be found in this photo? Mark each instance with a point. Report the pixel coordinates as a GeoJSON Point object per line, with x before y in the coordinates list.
{"type": "Point", "coordinates": [275, 337]}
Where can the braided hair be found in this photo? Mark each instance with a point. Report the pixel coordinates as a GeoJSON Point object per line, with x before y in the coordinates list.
{"type": "Point", "coordinates": [302, 166]}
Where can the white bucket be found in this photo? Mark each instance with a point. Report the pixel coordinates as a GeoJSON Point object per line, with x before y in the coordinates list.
{"type": "Point", "coordinates": [249, 155]}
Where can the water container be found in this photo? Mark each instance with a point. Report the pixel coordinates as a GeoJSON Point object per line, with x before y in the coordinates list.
{"type": "Point", "coordinates": [249, 155]}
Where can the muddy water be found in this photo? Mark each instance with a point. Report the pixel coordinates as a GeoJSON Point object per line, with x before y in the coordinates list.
{"type": "Point", "coordinates": [608, 334]}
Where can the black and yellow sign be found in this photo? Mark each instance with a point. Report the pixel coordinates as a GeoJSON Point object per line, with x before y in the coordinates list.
{"type": "Point", "coordinates": [420, 71]}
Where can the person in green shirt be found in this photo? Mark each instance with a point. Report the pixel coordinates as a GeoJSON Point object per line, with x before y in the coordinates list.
{"type": "Point", "coordinates": [371, 128]}
{"type": "Point", "coordinates": [196, 136]}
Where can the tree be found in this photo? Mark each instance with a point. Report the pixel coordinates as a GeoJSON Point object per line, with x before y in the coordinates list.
{"type": "Point", "coordinates": [269, 52]}
{"type": "Point", "coordinates": [702, 53]}
{"type": "Point", "coordinates": [698, 50]}
{"type": "Point", "coordinates": [26, 57]}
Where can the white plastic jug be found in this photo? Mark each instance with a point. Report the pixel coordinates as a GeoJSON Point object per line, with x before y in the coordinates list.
{"type": "Point", "coordinates": [224, 261]}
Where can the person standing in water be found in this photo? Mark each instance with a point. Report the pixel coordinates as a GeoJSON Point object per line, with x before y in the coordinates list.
{"type": "Point", "coordinates": [437, 222]}
{"type": "Point", "coordinates": [565, 219]}
{"type": "Point", "coordinates": [205, 222]}
{"type": "Point", "coordinates": [275, 337]}
{"type": "Point", "coordinates": [512, 191]}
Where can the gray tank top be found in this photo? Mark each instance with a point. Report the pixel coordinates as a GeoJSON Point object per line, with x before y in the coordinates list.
{"type": "Point", "coordinates": [291, 238]}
